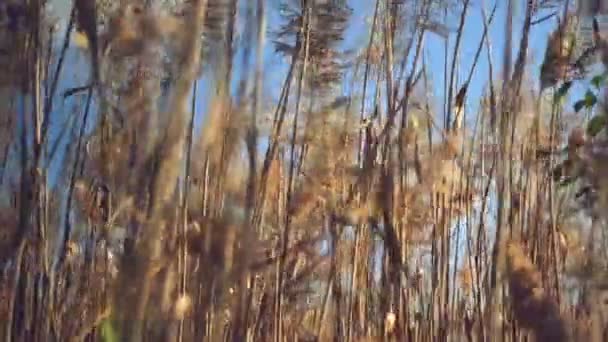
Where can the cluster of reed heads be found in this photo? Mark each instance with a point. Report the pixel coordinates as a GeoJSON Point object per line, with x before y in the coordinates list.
{"type": "Point", "coordinates": [314, 217]}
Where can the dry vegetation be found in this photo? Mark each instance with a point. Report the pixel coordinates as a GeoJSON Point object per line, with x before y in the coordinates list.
{"type": "Point", "coordinates": [373, 215]}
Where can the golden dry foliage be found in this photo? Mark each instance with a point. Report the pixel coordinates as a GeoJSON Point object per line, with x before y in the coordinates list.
{"type": "Point", "coordinates": [329, 142]}
{"type": "Point", "coordinates": [327, 171]}
{"type": "Point", "coordinates": [597, 166]}
{"type": "Point", "coordinates": [214, 240]}
{"type": "Point", "coordinates": [601, 43]}
{"type": "Point", "coordinates": [442, 175]}
{"type": "Point", "coordinates": [558, 55]}
{"type": "Point", "coordinates": [13, 33]}
{"type": "Point", "coordinates": [8, 230]}
{"type": "Point", "coordinates": [465, 278]}
{"type": "Point", "coordinates": [218, 146]}
{"type": "Point", "coordinates": [132, 29]}
{"type": "Point", "coordinates": [8, 120]}
{"type": "Point", "coordinates": [211, 250]}
{"type": "Point", "coordinates": [533, 307]}
{"type": "Point", "coordinates": [4, 298]}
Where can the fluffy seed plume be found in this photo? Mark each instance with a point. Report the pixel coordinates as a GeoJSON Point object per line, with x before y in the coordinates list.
{"type": "Point", "coordinates": [533, 307]}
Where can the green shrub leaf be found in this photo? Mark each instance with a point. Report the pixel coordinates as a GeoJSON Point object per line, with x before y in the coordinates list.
{"type": "Point", "coordinates": [108, 332]}
{"type": "Point", "coordinates": [598, 81]}
{"type": "Point", "coordinates": [590, 99]}
{"type": "Point", "coordinates": [587, 102]}
{"type": "Point", "coordinates": [596, 124]}
{"type": "Point", "coordinates": [579, 105]}
{"type": "Point", "coordinates": [567, 181]}
{"type": "Point", "coordinates": [563, 90]}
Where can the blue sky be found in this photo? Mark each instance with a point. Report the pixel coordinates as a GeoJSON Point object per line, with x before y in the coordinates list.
{"type": "Point", "coordinates": [357, 36]}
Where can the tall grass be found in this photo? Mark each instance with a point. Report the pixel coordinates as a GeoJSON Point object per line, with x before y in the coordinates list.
{"type": "Point", "coordinates": [342, 204]}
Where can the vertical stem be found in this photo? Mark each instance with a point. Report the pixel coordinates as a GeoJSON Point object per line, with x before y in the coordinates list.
{"type": "Point", "coordinates": [286, 232]}
{"type": "Point", "coordinates": [184, 206]}
{"type": "Point", "coordinates": [463, 16]}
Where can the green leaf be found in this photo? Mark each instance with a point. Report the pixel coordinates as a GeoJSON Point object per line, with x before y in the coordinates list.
{"type": "Point", "coordinates": [108, 332]}
{"type": "Point", "coordinates": [590, 99]}
{"type": "Point", "coordinates": [598, 80]}
{"type": "Point", "coordinates": [579, 105]}
{"type": "Point", "coordinates": [567, 181]}
{"type": "Point", "coordinates": [563, 90]}
{"type": "Point", "coordinates": [596, 124]}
